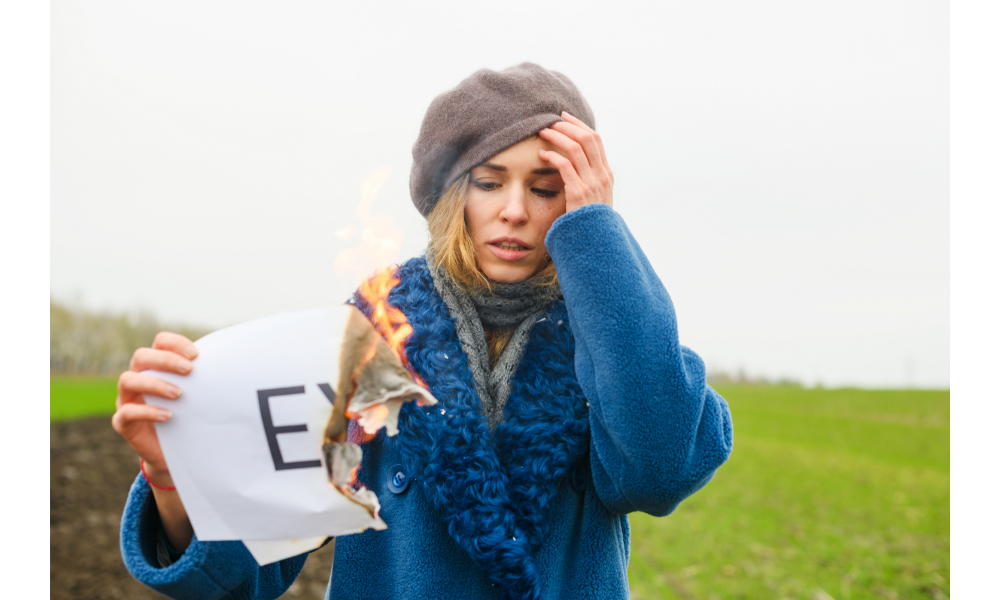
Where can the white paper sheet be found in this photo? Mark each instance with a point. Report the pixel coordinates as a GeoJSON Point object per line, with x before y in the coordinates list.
{"type": "Point", "coordinates": [239, 478]}
{"type": "Point", "coordinates": [268, 551]}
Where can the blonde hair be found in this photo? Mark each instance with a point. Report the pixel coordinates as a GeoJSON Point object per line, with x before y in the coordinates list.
{"type": "Point", "coordinates": [452, 248]}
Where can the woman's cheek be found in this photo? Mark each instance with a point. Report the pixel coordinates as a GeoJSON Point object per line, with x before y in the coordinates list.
{"type": "Point", "coordinates": [555, 211]}
{"type": "Point", "coordinates": [473, 217]}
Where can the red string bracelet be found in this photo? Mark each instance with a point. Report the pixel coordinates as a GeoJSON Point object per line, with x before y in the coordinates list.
{"type": "Point", "coordinates": [142, 469]}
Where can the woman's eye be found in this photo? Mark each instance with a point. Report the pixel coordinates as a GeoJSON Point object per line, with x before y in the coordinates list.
{"type": "Point", "coordinates": [545, 193]}
{"type": "Point", "coordinates": [488, 186]}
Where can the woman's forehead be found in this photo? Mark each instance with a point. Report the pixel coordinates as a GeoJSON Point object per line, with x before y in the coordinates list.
{"type": "Point", "coordinates": [522, 156]}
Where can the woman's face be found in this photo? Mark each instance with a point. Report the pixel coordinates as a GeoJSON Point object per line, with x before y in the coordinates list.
{"type": "Point", "coordinates": [513, 199]}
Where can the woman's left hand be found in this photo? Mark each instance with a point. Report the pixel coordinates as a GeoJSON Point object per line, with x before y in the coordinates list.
{"type": "Point", "coordinates": [586, 175]}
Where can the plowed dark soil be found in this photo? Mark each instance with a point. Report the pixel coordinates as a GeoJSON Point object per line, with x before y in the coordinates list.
{"type": "Point", "coordinates": [91, 471]}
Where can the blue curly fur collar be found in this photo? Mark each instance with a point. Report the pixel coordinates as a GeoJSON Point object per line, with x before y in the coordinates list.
{"type": "Point", "coordinates": [494, 493]}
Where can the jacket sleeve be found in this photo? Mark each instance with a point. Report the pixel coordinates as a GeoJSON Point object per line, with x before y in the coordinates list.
{"type": "Point", "coordinates": [206, 570]}
{"type": "Point", "coordinates": [658, 431]}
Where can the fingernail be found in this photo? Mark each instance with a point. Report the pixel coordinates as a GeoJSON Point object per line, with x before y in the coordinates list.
{"type": "Point", "coordinates": [174, 391]}
{"type": "Point", "coordinates": [183, 366]}
{"type": "Point", "coordinates": [164, 414]}
{"type": "Point", "coordinates": [191, 352]}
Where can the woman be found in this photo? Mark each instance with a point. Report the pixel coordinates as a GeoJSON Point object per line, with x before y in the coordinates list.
{"type": "Point", "coordinates": [567, 401]}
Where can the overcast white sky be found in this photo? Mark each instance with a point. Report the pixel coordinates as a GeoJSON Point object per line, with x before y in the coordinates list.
{"type": "Point", "coordinates": [784, 165]}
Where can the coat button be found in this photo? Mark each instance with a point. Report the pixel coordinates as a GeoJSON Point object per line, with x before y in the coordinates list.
{"type": "Point", "coordinates": [397, 482]}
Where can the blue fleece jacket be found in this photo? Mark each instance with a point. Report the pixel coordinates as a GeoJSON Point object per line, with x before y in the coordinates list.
{"type": "Point", "coordinates": [607, 414]}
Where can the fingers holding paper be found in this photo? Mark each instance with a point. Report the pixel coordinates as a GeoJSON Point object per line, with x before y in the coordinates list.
{"type": "Point", "coordinates": [134, 419]}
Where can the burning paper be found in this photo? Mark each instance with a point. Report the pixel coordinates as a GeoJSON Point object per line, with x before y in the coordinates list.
{"type": "Point", "coordinates": [374, 379]}
{"type": "Point", "coordinates": [257, 444]}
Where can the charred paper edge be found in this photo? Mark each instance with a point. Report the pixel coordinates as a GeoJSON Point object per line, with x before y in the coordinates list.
{"type": "Point", "coordinates": [373, 378]}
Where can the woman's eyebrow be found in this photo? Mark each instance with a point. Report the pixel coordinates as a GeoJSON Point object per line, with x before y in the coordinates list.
{"type": "Point", "coordinates": [539, 171]}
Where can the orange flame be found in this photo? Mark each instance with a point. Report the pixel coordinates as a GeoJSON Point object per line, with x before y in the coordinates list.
{"type": "Point", "coordinates": [381, 239]}
{"type": "Point", "coordinates": [389, 321]}
{"type": "Point", "coordinates": [379, 242]}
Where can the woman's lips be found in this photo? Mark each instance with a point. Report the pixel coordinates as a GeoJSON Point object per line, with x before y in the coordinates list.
{"type": "Point", "coordinates": [506, 253]}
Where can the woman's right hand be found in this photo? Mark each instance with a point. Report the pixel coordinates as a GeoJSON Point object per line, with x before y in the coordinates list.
{"type": "Point", "coordinates": [134, 419]}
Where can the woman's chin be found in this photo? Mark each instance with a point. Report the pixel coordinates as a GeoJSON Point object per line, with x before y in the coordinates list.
{"type": "Point", "coordinates": [508, 273]}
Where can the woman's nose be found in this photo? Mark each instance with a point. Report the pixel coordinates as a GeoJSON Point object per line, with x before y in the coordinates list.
{"type": "Point", "coordinates": [515, 211]}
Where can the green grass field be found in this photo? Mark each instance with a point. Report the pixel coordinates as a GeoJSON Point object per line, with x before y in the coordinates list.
{"type": "Point", "coordinates": [76, 397]}
{"type": "Point", "coordinates": [829, 494]}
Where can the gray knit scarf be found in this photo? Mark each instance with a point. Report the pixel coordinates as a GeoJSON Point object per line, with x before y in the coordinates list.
{"type": "Point", "coordinates": [509, 304]}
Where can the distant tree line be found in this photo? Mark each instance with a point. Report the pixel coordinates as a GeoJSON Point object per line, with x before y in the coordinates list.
{"type": "Point", "coordinates": [718, 377]}
{"type": "Point", "coordinates": [83, 342]}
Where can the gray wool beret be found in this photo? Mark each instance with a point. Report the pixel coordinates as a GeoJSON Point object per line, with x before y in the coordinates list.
{"type": "Point", "coordinates": [486, 113]}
